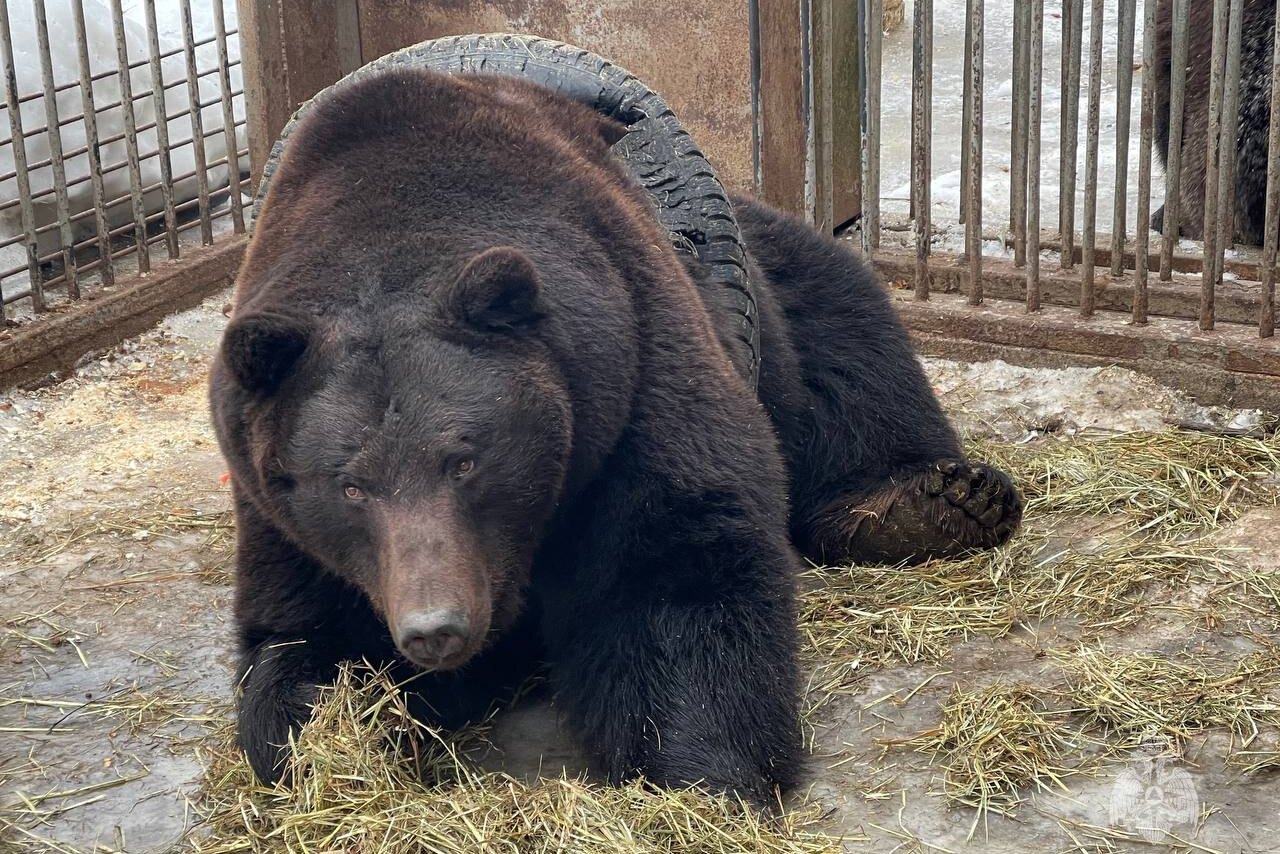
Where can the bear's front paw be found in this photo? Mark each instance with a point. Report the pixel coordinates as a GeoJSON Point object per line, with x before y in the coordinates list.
{"type": "Point", "coordinates": [991, 505]}
{"type": "Point", "coordinates": [269, 714]}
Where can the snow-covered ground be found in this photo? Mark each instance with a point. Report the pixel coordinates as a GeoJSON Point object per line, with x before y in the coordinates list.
{"type": "Point", "coordinates": [110, 114]}
{"type": "Point", "coordinates": [948, 77]}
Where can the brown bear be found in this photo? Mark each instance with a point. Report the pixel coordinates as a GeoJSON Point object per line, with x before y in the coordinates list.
{"type": "Point", "coordinates": [1257, 41]}
{"type": "Point", "coordinates": [480, 419]}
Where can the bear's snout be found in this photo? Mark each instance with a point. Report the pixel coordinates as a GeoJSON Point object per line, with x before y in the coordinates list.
{"type": "Point", "coordinates": [433, 585]}
{"type": "Point", "coordinates": [432, 639]}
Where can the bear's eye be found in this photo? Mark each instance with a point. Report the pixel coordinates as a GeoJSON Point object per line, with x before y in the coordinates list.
{"type": "Point", "coordinates": [463, 467]}
{"type": "Point", "coordinates": [354, 493]}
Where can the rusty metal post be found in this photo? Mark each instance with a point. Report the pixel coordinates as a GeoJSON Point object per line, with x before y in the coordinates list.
{"type": "Point", "coordinates": [871, 173]}
{"type": "Point", "coordinates": [966, 113]}
{"type": "Point", "coordinates": [1035, 74]}
{"type": "Point", "coordinates": [973, 217]}
{"type": "Point", "coordinates": [92, 146]}
{"type": "Point", "coordinates": [1018, 132]}
{"type": "Point", "coordinates": [922, 138]}
{"type": "Point", "coordinates": [1142, 231]}
{"type": "Point", "coordinates": [1073, 35]}
{"type": "Point", "coordinates": [1271, 219]}
{"type": "Point", "coordinates": [1230, 146]}
{"type": "Point", "coordinates": [1173, 168]}
{"type": "Point", "coordinates": [1091, 162]}
{"type": "Point", "coordinates": [228, 117]}
{"type": "Point", "coordinates": [131, 138]}
{"type": "Point", "coordinates": [1127, 11]}
{"type": "Point", "coordinates": [54, 135]}
{"type": "Point", "coordinates": [1212, 164]}
{"type": "Point", "coordinates": [162, 131]}
{"type": "Point", "coordinates": [26, 210]}
{"type": "Point", "coordinates": [197, 124]}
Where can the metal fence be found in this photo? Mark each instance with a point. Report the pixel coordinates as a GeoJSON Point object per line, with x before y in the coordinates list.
{"type": "Point", "coordinates": [1233, 82]}
{"type": "Point", "coordinates": [149, 156]}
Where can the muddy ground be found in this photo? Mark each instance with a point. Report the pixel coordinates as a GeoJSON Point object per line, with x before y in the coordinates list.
{"type": "Point", "coordinates": [115, 556]}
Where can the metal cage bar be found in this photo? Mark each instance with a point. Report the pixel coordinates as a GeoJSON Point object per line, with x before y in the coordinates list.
{"type": "Point", "coordinates": [1127, 11]}
{"type": "Point", "coordinates": [973, 214]}
{"type": "Point", "coordinates": [1173, 167]}
{"type": "Point", "coordinates": [55, 149]}
{"type": "Point", "coordinates": [1035, 74]}
{"type": "Point", "coordinates": [131, 138]}
{"type": "Point", "coordinates": [922, 140]}
{"type": "Point", "coordinates": [162, 130]}
{"type": "Point", "coordinates": [22, 175]}
{"type": "Point", "coordinates": [92, 150]}
{"type": "Point", "coordinates": [1089, 238]}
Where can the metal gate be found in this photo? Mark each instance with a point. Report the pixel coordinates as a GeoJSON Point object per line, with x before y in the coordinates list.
{"type": "Point", "coordinates": [122, 143]}
{"type": "Point", "coordinates": [1008, 176]}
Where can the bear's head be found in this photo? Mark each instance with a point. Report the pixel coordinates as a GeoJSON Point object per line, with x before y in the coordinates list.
{"type": "Point", "coordinates": [435, 344]}
{"type": "Point", "coordinates": [421, 451]}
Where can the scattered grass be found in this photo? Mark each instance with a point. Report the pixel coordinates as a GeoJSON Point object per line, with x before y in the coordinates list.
{"type": "Point", "coordinates": [367, 777]}
{"type": "Point", "coordinates": [863, 616]}
{"type": "Point", "coordinates": [1167, 483]}
{"type": "Point", "coordinates": [993, 743]}
{"type": "Point", "coordinates": [141, 711]}
{"type": "Point", "coordinates": [1136, 698]}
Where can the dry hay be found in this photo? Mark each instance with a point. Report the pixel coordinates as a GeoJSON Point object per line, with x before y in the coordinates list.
{"type": "Point", "coordinates": [993, 742]}
{"type": "Point", "coordinates": [1169, 483]}
{"type": "Point", "coordinates": [864, 616]}
{"type": "Point", "coordinates": [366, 777]}
{"type": "Point", "coordinates": [1159, 491]}
{"type": "Point", "coordinates": [1137, 698]}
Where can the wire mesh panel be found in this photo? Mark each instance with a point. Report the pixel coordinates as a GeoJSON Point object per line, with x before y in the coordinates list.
{"type": "Point", "coordinates": [122, 140]}
{"type": "Point", "coordinates": [1142, 134]}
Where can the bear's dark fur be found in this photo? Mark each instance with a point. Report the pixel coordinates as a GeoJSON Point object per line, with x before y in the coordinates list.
{"type": "Point", "coordinates": [478, 417]}
{"type": "Point", "coordinates": [1257, 41]}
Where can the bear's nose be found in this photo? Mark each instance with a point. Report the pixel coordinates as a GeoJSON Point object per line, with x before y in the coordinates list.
{"type": "Point", "coordinates": [432, 637]}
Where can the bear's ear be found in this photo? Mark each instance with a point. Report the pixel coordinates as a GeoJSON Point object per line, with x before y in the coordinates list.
{"type": "Point", "coordinates": [497, 291]}
{"type": "Point", "coordinates": [261, 348]}
{"type": "Point", "coordinates": [610, 130]}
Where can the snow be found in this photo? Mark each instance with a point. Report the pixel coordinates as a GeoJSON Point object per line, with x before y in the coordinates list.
{"type": "Point", "coordinates": [948, 77]}
{"type": "Point", "coordinates": [102, 50]}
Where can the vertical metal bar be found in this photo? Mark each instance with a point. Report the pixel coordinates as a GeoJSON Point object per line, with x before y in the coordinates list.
{"type": "Point", "coordinates": [966, 113]}
{"type": "Point", "coordinates": [1212, 165]}
{"type": "Point", "coordinates": [162, 131]}
{"type": "Point", "coordinates": [1230, 134]}
{"type": "Point", "coordinates": [973, 219]}
{"type": "Point", "coordinates": [91, 138]}
{"type": "Point", "coordinates": [197, 124]}
{"type": "Point", "coordinates": [1173, 168]}
{"type": "Point", "coordinates": [1018, 134]}
{"type": "Point", "coordinates": [922, 132]}
{"type": "Point", "coordinates": [54, 134]}
{"type": "Point", "coordinates": [25, 207]}
{"type": "Point", "coordinates": [228, 117]}
{"type": "Point", "coordinates": [1072, 49]}
{"type": "Point", "coordinates": [1035, 74]}
{"type": "Point", "coordinates": [871, 180]}
{"type": "Point", "coordinates": [1127, 10]}
{"type": "Point", "coordinates": [131, 138]}
{"type": "Point", "coordinates": [1271, 219]}
{"type": "Point", "coordinates": [915, 104]}
{"type": "Point", "coordinates": [1142, 231]}
{"type": "Point", "coordinates": [1092, 123]}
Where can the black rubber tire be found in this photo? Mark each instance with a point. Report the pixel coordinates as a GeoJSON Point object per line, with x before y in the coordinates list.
{"type": "Point", "coordinates": [689, 199]}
